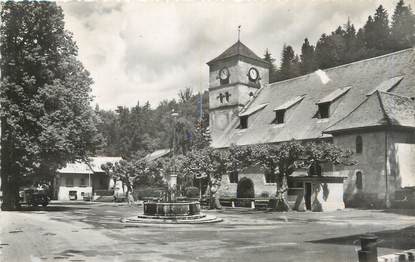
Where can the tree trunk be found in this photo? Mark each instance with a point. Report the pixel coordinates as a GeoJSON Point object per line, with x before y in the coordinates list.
{"type": "Point", "coordinates": [10, 189]}
{"type": "Point", "coordinates": [9, 179]}
{"type": "Point", "coordinates": [214, 197]}
{"type": "Point", "coordinates": [281, 203]}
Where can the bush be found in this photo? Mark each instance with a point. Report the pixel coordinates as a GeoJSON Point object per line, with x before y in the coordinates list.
{"type": "Point", "coordinates": [141, 193]}
{"type": "Point", "coordinates": [192, 192]}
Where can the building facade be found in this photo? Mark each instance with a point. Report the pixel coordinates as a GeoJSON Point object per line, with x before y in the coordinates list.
{"type": "Point", "coordinates": [79, 181]}
{"type": "Point", "coordinates": [366, 106]}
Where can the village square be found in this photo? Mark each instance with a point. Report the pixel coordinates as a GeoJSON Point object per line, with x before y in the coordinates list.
{"type": "Point", "coordinates": [123, 151]}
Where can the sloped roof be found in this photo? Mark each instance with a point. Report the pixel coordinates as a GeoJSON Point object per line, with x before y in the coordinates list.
{"type": "Point", "coordinates": [237, 49]}
{"type": "Point", "coordinates": [386, 85]}
{"type": "Point", "coordinates": [289, 103]}
{"type": "Point", "coordinates": [334, 95]}
{"type": "Point", "coordinates": [249, 111]}
{"type": "Point", "coordinates": [83, 168]}
{"type": "Point", "coordinates": [379, 109]}
{"type": "Point", "coordinates": [302, 124]}
{"type": "Point", "coordinates": [157, 154]}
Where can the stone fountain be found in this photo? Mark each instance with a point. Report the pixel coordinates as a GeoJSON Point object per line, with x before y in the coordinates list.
{"type": "Point", "coordinates": [170, 211]}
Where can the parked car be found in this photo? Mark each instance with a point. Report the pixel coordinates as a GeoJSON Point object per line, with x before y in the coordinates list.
{"type": "Point", "coordinates": [34, 197]}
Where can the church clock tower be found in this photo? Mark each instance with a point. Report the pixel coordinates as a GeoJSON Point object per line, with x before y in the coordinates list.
{"type": "Point", "coordinates": [234, 77]}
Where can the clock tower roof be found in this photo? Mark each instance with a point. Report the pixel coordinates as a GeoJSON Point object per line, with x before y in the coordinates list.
{"type": "Point", "coordinates": [237, 49]}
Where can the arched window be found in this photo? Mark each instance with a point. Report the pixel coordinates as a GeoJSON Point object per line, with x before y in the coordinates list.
{"type": "Point", "coordinates": [359, 145]}
{"type": "Point", "coordinates": [359, 180]}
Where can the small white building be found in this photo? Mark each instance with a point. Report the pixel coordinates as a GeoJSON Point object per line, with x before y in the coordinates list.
{"type": "Point", "coordinates": [82, 180]}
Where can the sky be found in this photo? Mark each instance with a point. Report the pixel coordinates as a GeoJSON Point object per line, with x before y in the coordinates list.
{"type": "Point", "coordinates": [147, 51]}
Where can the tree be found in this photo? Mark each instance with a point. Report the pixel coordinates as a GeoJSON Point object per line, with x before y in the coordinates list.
{"type": "Point", "coordinates": [46, 118]}
{"type": "Point", "coordinates": [403, 27]}
{"type": "Point", "coordinates": [290, 64]}
{"type": "Point", "coordinates": [281, 160]}
{"type": "Point", "coordinates": [377, 32]}
{"type": "Point", "coordinates": [213, 164]}
{"type": "Point", "coordinates": [308, 60]}
{"type": "Point", "coordinates": [272, 70]}
{"type": "Point", "coordinates": [326, 52]}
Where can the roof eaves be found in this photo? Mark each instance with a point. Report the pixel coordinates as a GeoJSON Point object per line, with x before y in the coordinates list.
{"type": "Point", "coordinates": [290, 103]}
{"type": "Point", "coordinates": [253, 110]}
{"type": "Point", "coordinates": [334, 95]}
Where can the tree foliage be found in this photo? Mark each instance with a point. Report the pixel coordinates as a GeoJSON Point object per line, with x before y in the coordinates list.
{"type": "Point", "coordinates": [45, 97]}
{"type": "Point", "coordinates": [142, 128]}
{"type": "Point", "coordinates": [345, 44]}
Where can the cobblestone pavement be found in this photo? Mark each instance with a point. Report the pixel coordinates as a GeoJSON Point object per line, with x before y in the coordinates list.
{"type": "Point", "coordinates": [93, 232]}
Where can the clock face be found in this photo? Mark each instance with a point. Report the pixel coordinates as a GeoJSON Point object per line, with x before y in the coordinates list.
{"type": "Point", "coordinates": [253, 74]}
{"type": "Point", "coordinates": [224, 73]}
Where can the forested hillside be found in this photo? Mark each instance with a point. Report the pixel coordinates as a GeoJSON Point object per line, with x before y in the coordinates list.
{"type": "Point", "coordinates": [141, 129]}
{"type": "Point", "coordinates": [380, 35]}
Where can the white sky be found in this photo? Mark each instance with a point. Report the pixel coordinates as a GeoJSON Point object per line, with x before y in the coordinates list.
{"type": "Point", "coordinates": [148, 51]}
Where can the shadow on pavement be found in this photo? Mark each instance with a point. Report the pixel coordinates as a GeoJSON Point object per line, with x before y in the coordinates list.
{"type": "Point", "coordinates": [405, 212]}
{"type": "Point", "coordinates": [402, 239]}
{"type": "Point", "coordinates": [50, 208]}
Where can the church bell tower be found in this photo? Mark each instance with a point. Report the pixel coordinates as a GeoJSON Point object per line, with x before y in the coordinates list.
{"type": "Point", "coordinates": [234, 77]}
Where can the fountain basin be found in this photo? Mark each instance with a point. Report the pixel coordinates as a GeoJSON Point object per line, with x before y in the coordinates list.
{"type": "Point", "coordinates": [171, 213]}
{"type": "Point", "coordinates": [177, 209]}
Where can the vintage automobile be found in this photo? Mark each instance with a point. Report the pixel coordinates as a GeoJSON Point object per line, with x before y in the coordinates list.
{"type": "Point", "coordinates": [34, 197]}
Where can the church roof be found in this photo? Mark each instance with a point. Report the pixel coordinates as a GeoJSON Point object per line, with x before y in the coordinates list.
{"type": "Point", "coordinates": [353, 82]}
{"type": "Point", "coordinates": [379, 109]}
{"type": "Point", "coordinates": [237, 49]}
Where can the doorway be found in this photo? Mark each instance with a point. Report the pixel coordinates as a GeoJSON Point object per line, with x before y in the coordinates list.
{"type": "Point", "coordinates": [245, 188]}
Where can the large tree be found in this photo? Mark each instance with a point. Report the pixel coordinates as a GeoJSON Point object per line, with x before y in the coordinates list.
{"type": "Point", "coordinates": [213, 164]}
{"type": "Point", "coordinates": [46, 118]}
{"type": "Point", "coordinates": [403, 27]}
{"type": "Point", "coordinates": [308, 58]}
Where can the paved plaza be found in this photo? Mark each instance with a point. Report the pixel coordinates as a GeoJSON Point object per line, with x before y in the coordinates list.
{"type": "Point", "coordinates": [93, 232]}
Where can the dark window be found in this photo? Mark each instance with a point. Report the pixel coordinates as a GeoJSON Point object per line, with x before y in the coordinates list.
{"type": "Point", "coordinates": [69, 181]}
{"type": "Point", "coordinates": [83, 182]}
{"type": "Point", "coordinates": [269, 177]}
{"type": "Point", "coordinates": [279, 117]}
{"type": "Point", "coordinates": [227, 96]}
{"type": "Point", "coordinates": [359, 144]}
{"type": "Point", "coordinates": [233, 177]}
{"type": "Point", "coordinates": [324, 110]}
{"type": "Point", "coordinates": [243, 122]}
{"type": "Point", "coordinates": [224, 81]}
{"type": "Point", "coordinates": [359, 180]}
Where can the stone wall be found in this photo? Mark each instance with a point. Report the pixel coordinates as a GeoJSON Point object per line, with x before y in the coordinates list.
{"type": "Point", "coordinates": [228, 189]}
{"type": "Point", "coordinates": [372, 163]}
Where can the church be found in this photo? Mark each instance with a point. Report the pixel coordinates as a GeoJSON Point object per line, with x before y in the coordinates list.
{"type": "Point", "coordinates": [366, 106]}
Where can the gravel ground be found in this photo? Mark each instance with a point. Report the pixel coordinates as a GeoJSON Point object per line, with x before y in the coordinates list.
{"type": "Point", "coordinates": [93, 232]}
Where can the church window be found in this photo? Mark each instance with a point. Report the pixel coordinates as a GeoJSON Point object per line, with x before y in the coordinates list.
{"type": "Point", "coordinates": [220, 97]}
{"type": "Point", "coordinates": [324, 110]}
{"type": "Point", "coordinates": [227, 96]}
{"type": "Point", "coordinates": [243, 122]}
{"type": "Point", "coordinates": [269, 177]}
{"type": "Point", "coordinates": [359, 180]}
{"type": "Point", "coordinates": [233, 177]}
{"type": "Point", "coordinates": [359, 145]}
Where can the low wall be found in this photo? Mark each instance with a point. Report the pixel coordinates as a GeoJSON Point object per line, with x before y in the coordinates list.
{"type": "Point", "coordinates": [63, 193]}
